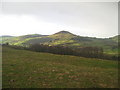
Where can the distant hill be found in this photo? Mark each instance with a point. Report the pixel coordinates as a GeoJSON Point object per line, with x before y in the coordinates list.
{"type": "Point", "coordinates": [65, 38]}
{"type": "Point", "coordinates": [5, 38]}
{"type": "Point", "coordinates": [63, 32]}
{"type": "Point", "coordinates": [115, 38]}
{"type": "Point", "coordinates": [18, 40]}
{"type": "Point", "coordinates": [31, 36]}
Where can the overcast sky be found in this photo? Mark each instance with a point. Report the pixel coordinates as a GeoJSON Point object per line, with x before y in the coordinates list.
{"type": "Point", "coordinates": [91, 19]}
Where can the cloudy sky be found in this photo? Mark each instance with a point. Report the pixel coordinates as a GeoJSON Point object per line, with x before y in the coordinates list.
{"type": "Point", "coordinates": [94, 19]}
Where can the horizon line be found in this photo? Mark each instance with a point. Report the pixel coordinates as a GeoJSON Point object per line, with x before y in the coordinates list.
{"type": "Point", "coordinates": [55, 33]}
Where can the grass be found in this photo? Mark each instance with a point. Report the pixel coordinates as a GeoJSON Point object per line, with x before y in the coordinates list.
{"type": "Point", "coordinates": [112, 52]}
{"type": "Point", "coordinates": [0, 67]}
{"type": "Point", "coordinates": [27, 69]}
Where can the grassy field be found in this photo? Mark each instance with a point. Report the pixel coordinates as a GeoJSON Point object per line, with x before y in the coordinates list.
{"type": "Point", "coordinates": [27, 69]}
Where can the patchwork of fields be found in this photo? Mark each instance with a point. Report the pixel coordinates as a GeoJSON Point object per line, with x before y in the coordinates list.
{"type": "Point", "coordinates": [27, 69]}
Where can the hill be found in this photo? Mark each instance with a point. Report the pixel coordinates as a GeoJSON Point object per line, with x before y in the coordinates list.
{"type": "Point", "coordinates": [5, 38]}
{"type": "Point", "coordinates": [26, 69]}
{"type": "Point", "coordinates": [115, 38]}
{"type": "Point", "coordinates": [19, 40]}
{"type": "Point", "coordinates": [65, 38]}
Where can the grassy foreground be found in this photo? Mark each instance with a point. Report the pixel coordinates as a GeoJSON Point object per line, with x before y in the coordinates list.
{"type": "Point", "coordinates": [27, 69]}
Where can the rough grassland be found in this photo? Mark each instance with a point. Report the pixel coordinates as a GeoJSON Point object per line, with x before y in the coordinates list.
{"type": "Point", "coordinates": [27, 69]}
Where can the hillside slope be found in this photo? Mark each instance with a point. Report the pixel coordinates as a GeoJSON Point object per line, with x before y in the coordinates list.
{"type": "Point", "coordinates": [19, 40]}
{"type": "Point", "coordinates": [65, 38]}
{"type": "Point", "coordinates": [115, 38]}
{"type": "Point", "coordinates": [5, 38]}
{"type": "Point", "coordinates": [26, 69]}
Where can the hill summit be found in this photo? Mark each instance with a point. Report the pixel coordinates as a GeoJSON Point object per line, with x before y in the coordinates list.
{"type": "Point", "coordinates": [63, 32]}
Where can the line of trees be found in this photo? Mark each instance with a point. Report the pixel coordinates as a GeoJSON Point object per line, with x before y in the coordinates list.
{"type": "Point", "coordinates": [93, 52]}
{"type": "Point", "coordinates": [51, 49]}
{"type": "Point", "coordinates": [90, 52]}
